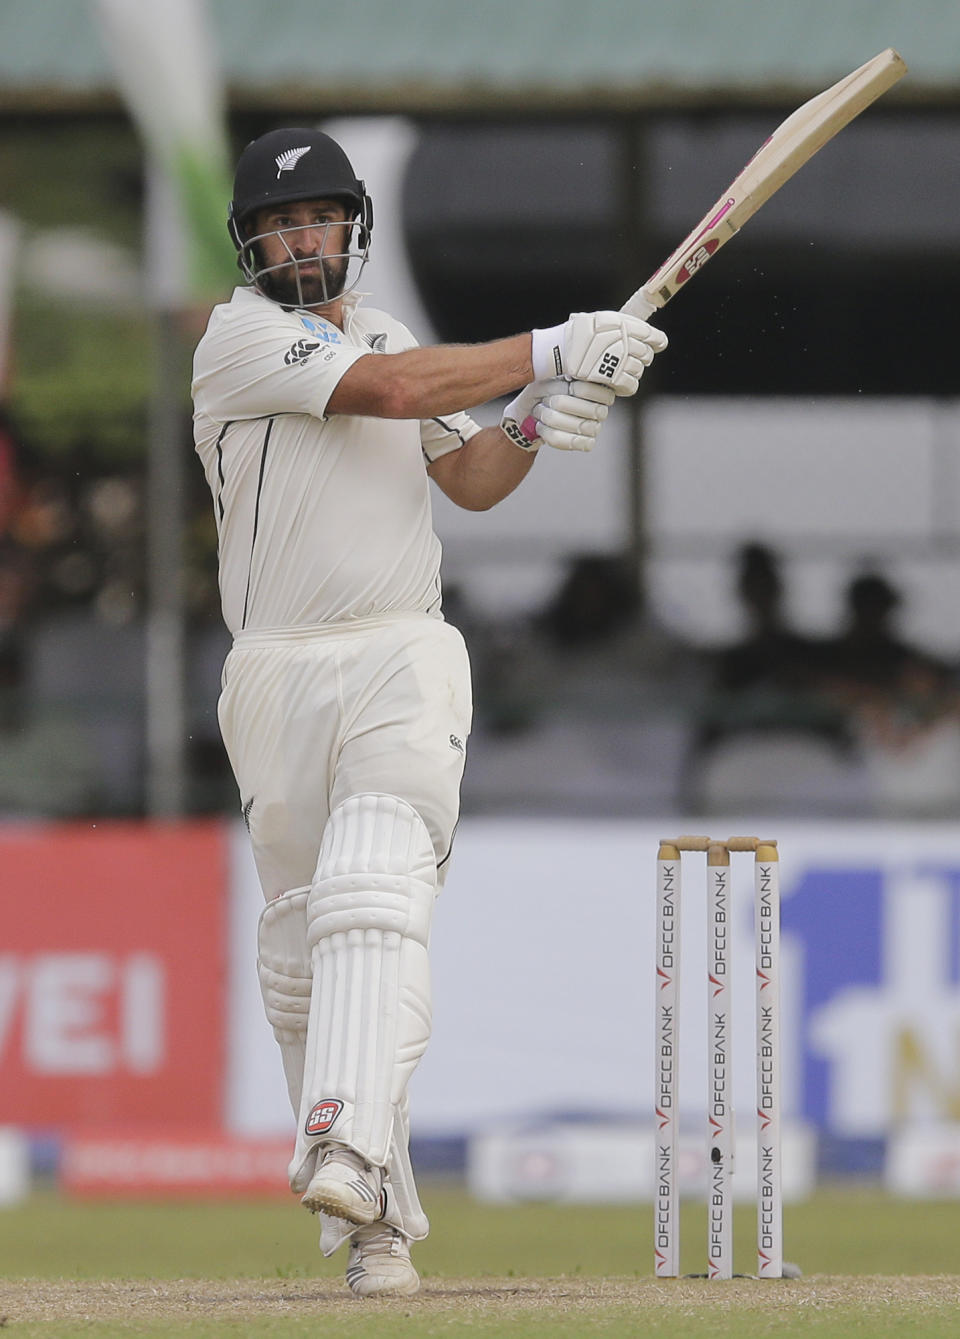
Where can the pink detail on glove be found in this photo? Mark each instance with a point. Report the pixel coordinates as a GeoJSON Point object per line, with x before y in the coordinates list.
{"type": "Point", "coordinates": [530, 428]}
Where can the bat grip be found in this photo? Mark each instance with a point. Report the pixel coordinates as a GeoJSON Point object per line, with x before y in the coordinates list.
{"type": "Point", "coordinates": [639, 305]}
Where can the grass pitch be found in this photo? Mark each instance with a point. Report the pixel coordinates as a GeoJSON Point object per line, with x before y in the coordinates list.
{"type": "Point", "coordinates": [873, 1267]}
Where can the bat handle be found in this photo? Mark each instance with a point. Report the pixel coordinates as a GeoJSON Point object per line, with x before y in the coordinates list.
{"type": "Point", "coordinates": [639, 305]}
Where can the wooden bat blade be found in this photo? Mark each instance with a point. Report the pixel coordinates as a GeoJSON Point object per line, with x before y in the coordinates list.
{"type": "Point", "coordinates": [792, 144]}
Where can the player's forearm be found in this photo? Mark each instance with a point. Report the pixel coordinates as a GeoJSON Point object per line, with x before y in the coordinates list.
{"type": "Point", "coordinates": [438, 380]}
{"type": "Point", "coordinates": [483, 472]}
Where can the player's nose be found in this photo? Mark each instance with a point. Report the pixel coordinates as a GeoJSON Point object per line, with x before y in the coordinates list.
{"type": "Point", "coordinates": [308, 241]}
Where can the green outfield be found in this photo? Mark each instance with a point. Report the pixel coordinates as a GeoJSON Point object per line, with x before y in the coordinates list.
{"type": "Point", "coordinates": [872, 1267]}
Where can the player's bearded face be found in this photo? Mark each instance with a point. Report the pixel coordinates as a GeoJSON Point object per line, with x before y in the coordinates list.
{"type": "Point", "coordinates": [303, 263]}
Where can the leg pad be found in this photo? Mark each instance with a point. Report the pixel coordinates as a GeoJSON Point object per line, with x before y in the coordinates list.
{"type": "Point", "coordinates": [368, 927]}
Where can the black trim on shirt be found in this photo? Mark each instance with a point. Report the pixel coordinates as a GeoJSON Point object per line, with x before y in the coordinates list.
{"type": "Point", "coordinates": [223, 433]}
{"type": "Point", "coordinates": [441, 863]}
{"type": "Point", "coordinates": [447, 428]}
{"type": "Point", "coordinates": [256, 517]}
{"type": "Point", "coordinates": [439, 600]}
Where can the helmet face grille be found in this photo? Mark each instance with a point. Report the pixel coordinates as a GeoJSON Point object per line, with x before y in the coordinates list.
{"type": "Point", "coordinates": [295, 279]}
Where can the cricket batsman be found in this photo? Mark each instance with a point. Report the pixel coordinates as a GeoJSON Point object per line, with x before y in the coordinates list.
{"type": "Point", "coordinates": [346, 701]}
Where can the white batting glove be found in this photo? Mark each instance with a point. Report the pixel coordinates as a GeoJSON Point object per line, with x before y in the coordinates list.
{"type": "Point", "coordinates": [607, 347]}
{"type": "Point", "coordinates": [567, 415]}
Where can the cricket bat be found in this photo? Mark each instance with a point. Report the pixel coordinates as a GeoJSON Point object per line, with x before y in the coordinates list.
{"type": "Point", "coordinates": [793, 142]}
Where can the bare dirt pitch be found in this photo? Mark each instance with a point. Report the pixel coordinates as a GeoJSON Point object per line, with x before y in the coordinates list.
{"type": "Point", "coordinates": [826, 1304]}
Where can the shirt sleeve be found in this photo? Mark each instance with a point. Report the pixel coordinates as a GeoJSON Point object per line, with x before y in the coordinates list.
{"type": "Point", "coordinates": [439, 436]}
{"type": "Point", "coordinates": [261, 364]}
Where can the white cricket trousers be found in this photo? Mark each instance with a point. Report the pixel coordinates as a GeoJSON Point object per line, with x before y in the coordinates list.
{"type": "Point", "coordinates": [311, 716]}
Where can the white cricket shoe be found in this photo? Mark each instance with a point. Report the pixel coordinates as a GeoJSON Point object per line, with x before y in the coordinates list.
{"type": "Point", "coordinates": [379, 1263]}
{"type": "Point", "coordinates": [345, 1186]}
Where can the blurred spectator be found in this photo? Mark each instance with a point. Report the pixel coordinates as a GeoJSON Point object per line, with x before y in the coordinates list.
{"type": "Point", "coordinates": [903, 705]}
{"type": "Point", "coordinates": [72, 610]}
{"type": "Point", "coordinates": [83, 525]}
{"type": "Point", "coordinates": [909, 736]}
{"type": "Point", "coordinates": [868, 653]}
{"type": "Point", "coordinates": [771, 677]}
{"type": "Point", "coordinates": [771, 654]}
{"type": "Point", "coordinates": [767, 687]}
{"type": "Point", "coordinates": [597, 600]}
{"type": "Point", "coordinates": [590, 652]}
{"type": "Point", "coordinates": [46, 765]}
{"type": "Point", "coordinates": [582, 707]}
{"type": "Point", "coordinates": [862, 722]}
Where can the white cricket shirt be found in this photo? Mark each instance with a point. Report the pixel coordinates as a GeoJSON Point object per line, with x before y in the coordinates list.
{"type": "Point", "coordinates": [320, 520]}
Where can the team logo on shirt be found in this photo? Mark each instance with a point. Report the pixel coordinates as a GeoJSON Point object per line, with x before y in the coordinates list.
{"type": "Point", "coordinates": [300, 352]}
{"type": "Point", "coordinates": [328, 334]}
{"type": "Point", "coordinates": [377, 342]}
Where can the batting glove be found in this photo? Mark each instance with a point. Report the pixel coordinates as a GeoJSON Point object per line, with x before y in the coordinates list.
{"type": "Point", "coordinates": [567, 415]}
{"type": "Point", "coordinates": [606, 347]}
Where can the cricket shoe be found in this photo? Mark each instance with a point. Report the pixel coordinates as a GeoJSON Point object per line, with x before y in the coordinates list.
{"type": "Point", "coordinates": [379, 1263]}
{"type": "Point", "coordinates": [346, 1186]}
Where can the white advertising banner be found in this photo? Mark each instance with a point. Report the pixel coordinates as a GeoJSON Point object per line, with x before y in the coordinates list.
{"type": "Point", "coordinates": [543, 980]}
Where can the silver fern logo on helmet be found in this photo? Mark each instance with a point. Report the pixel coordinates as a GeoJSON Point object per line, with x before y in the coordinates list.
{"type": "Point", "coordinates": [288, 160]}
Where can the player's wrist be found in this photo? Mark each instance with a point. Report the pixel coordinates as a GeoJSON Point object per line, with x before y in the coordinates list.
{"type": "Point", "coordinates": [519, 422]}
{"type": "Point", "coordinates": [516, 434]}
{"type": "Point", "coordinates": [523, 433]}
{"type": "Point", "coordinates": [546, 352]}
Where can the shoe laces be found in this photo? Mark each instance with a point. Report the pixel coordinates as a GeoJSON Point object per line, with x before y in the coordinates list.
{"type": "Point", "coordinates": [377, 1239]}
{"type": "Point", "coordinates": [346, 1156]}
